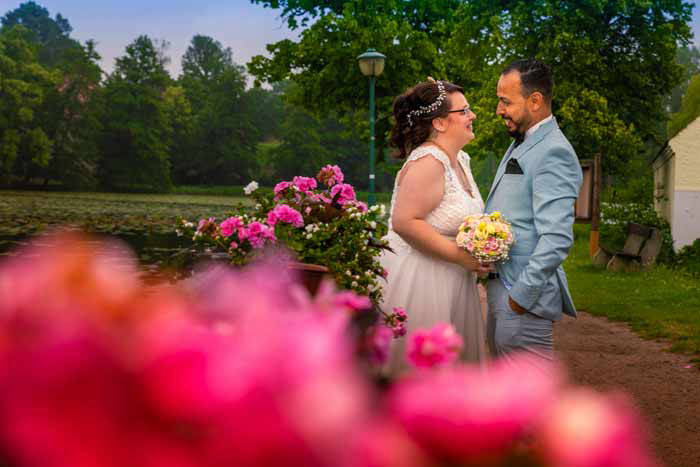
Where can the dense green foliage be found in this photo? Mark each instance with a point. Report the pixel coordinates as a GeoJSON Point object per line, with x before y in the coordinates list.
{"type": "Point", "coordinates": [690, 108]}
{"type": "Point", "coordinates": [614, 62]}
{"type": "Point", "coordinates": [688, 258]}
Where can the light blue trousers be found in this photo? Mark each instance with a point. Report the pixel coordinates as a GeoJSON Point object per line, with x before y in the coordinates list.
{"type": "Point", "coordinates": [508, 332]}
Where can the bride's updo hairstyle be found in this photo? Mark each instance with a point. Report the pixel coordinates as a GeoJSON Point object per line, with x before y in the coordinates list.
{"type": "Point", "coordinates": [414, 111]}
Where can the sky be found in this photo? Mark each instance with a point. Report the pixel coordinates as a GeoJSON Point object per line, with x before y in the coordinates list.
{"type": "Point", "coordinates": [238, 24]}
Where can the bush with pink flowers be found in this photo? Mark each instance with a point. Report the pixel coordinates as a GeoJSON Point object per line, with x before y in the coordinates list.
{"type": "Point", "coordinates": [245, 368]}
{"type": "Point", "coordinates": [318, 219]}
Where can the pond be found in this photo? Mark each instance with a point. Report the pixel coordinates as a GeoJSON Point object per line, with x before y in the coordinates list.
{"type": "Point", "coordinates": [156, 252]}
{"type": "Point", "coordinates": [146, 223]}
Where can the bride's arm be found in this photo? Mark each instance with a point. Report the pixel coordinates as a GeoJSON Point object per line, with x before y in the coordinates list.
{"type": "Point", "coordinates": [421, 188]}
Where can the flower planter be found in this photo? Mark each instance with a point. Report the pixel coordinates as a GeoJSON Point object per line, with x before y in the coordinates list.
{"type": "Point", "coordinates": [310, 275]}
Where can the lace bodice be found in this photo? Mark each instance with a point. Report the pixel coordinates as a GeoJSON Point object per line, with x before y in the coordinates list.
{"type": "Point", "coordinates": [456, 203]}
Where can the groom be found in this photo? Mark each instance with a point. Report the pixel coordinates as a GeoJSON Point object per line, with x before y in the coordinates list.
{"type": "Point", "coordinates": [535, 188]}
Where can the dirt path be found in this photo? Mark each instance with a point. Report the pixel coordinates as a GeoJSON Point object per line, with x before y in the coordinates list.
{"type": "Point", "coordinates": [608, 356]}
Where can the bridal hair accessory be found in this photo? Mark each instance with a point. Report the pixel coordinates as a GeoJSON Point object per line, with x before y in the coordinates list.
{"type": "Point", "coordinates": [426, 109]}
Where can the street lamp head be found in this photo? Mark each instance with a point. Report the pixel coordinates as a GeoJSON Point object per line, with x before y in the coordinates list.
{"type": "Point", "coordinates": [371, 63]}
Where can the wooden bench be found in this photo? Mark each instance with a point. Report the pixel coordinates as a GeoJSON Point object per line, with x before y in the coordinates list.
{"type": "Point", "coordinates": [642, 246]}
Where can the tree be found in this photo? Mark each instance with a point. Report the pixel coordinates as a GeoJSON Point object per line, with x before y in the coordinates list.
{"type": "Point", "coordinates": [225, 139]}
{"type": "Point", "coordinates": [136, 135]}
{"type": "Point", "coordinates": [689, 59]}
{"type": "Point", "coordinates": [178, 113]}
{"type": "Point", "coordinates": [323, 64]}
{"type": "Point", "coordinates": [689, 111]}
{"type": "Point", "coordinates": [52, 35]}
{"type": "Point", "coordinates": [68, 111]}
{"type": "Point", "coordinates": [623, 50]}
{"type": "Point", "coordinates": [24, 145]}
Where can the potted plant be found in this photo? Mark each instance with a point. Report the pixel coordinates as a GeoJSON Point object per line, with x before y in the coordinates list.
{"type": "Point", "coordinates": [319, 220]}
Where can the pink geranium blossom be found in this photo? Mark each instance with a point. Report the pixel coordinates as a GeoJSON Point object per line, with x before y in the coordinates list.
{"type": "Point", "coordinates": [280, 187]}
{"type": "Point", "coordinates": [286, 214]}
{"type": "Point", "coordinates": [463, 414]}
{"type": "Point", "coordinates": [434, 347]}
{"type": "Point", "coordinates": [304, 183]}
{"type": "Point", "coordinates": [362, 207]}
{"type": "Point", "coordinates": [320, 197]}
{"type": "Point", "coordinates": [330, 175]}
{"type": "Point", "coordinates": [230, 226]}
{"type": "Point", "coordinates": [378, 344]}
{"type": "Point", "coordinates": [584, 428]}
{"type": "Point", "coordinates": [257, 233]}
{"type": "Point", "coordinates": [346, 193]}
{"type": "Point", "coordinates": [352, 301]}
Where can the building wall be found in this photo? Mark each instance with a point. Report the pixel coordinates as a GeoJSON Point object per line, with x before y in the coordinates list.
{"type": "Point", "coordinates": [686, 146]}
{"type": "Point", "coordinates": [685, 227]}
{"type": "Point", "coordinates": [685, 209]}
{"type": "Point", "coordinates": [664, 185]}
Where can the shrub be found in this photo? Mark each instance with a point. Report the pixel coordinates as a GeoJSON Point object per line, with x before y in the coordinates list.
{"type": "Point", "coordinates": [688, 258]}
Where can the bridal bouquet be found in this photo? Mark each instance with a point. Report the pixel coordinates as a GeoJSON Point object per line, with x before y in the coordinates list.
{"type": "Point", "coordinates": [487, 237]}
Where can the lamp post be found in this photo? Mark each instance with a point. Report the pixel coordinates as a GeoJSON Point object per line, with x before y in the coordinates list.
{"type": "Point", "coordinates": [371, 65]}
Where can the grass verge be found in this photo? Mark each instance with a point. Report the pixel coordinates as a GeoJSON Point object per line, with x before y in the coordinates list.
{"type": "Point", "coordinates": [661, 303]}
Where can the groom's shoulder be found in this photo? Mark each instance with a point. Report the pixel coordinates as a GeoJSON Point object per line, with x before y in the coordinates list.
{"type": "Point", "coordinates": [557, 143]}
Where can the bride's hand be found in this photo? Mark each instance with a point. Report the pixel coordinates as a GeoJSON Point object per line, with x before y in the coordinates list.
{"type": "Point", "coordinates": [484, 269]}
{"type": "Point", "coordinates": [472, 264]}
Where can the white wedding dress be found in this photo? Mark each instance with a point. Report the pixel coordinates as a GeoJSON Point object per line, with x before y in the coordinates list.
{"type": "Point", "coordinates": [429, 289]}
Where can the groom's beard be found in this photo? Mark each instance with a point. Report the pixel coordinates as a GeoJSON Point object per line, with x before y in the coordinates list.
{"type": "Point", "coordinates": [518, 134]}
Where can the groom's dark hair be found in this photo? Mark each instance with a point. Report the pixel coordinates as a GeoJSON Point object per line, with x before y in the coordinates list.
{"type": "Point", "coordinates": [535, 76]}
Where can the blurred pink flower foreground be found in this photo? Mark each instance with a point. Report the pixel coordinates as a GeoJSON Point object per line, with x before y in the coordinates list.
{"type": "Point", "coordinates": [245, 368]}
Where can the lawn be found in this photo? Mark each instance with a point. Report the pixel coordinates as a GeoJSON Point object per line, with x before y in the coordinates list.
{"type": "Point", "coordinates": [661, 303]}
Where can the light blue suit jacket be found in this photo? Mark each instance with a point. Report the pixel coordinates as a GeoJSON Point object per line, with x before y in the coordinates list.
{"type": "Point", "coordinates": [540, 206]}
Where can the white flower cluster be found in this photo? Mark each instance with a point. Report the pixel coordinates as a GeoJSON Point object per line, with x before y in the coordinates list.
{"type": "Point", "coordinates": [379, 207]}
{"type": "Point", "coordinates": [251, 187]}
{"type": "Point", "coordinates": [427, 109]}
{"type": "Point", "coordinates": [310, 230]}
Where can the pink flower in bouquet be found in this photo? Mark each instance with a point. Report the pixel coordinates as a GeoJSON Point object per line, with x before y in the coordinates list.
{"type": "Point", "coordinates": [330, 175]}
{"type": "Point", "coordinates": [438, 346]}
{"type": "Point", "coordinates": [347, 193]}
{"type": "Point", "coordinates": [305, 184]}
{"type": "Point", "coordinates": [378, 343]}
{"type": "Point", "coordinates": [462, 414]}
{"type": "Point", "coordinates": [286, 214]}
{"type": "Point", "coordinates": [230, 226]}
{"type": "Point", "coordinates": [587, 429]}
{"type": "Point", "coordinates": [352, 301]}
{"type": "Point", "coordinates": [257, 233]}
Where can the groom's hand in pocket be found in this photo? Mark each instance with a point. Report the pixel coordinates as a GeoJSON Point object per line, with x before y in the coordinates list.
{"type": "Point", "coordinates": [515, 306]}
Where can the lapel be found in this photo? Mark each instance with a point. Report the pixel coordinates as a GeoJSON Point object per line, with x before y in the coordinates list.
{"type": "Point", "coordinates": [519, 152]}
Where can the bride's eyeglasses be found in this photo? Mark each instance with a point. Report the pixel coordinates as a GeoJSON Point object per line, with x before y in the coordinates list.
{"type": "Point", "coordinates": [465, 111]}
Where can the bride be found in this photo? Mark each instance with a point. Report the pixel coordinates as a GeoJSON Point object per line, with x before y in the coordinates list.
{"type": "Point", "coordinates": [428, 275]}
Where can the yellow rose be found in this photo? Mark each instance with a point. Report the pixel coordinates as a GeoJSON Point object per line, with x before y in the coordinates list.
{"type": "Point", "coordinates": [495, 215]}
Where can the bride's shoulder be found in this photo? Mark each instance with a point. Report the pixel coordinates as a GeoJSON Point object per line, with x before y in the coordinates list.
{"type": "Point", "coordinates": [427, 150]}
{"type": "Point", "coordinates": [464, 156]}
